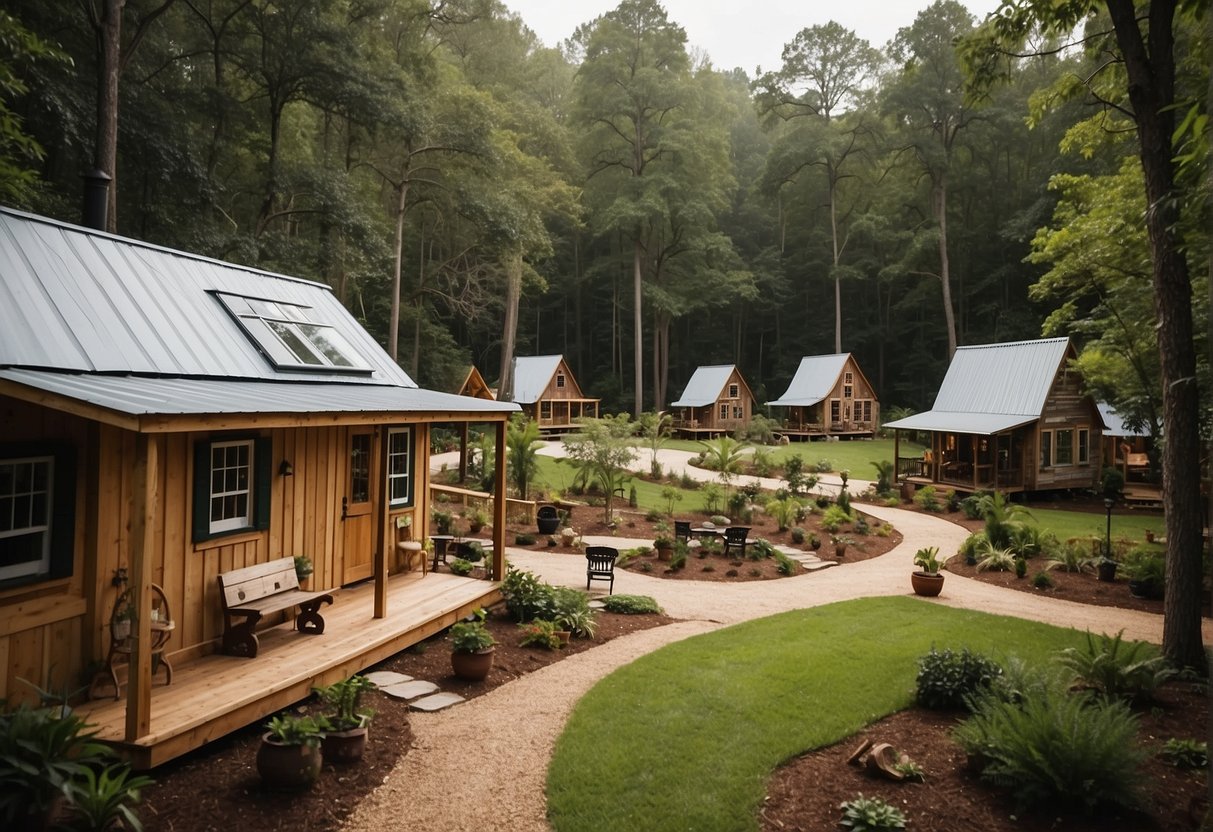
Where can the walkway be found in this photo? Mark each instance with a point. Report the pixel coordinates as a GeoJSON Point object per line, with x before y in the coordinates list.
{"type": "Point", "coordinates": [483, 765]}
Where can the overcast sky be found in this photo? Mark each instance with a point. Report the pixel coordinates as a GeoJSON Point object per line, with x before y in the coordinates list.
{"type": "Point", "coordinates": [739, 33]}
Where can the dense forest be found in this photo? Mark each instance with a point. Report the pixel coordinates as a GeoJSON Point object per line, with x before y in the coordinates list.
{"type": "Point", "coordinates": [620, 199]}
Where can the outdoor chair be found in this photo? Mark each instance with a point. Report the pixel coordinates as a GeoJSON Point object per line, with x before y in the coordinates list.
{"type": "Point", "coordinates": [682, 531]}
{"type": "Point", "coordinates": [735, 538]}
{"type": "Point", "coordinates": [600, 566]}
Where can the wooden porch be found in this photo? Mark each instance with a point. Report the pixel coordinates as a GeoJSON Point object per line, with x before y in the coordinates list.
{"type": "Point", "coordinates": [216, 694]}
{"type": "Point", "coordinates": [959, 476]}
{"type": "Point", "coordinates": [797, 430]}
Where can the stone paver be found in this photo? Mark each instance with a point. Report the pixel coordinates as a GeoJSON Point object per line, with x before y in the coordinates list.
{"type": "Point", "coordinates": [410, 690]}
{"type": "Point", "coordinates": [436, 701]}
{"type": "Point", "coordinates": [383, 678]}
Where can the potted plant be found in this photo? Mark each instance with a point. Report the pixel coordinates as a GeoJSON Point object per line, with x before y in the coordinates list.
{"type": "Point", "coordinates": [472, 648]}
{"type": "Point", "coordinates": [303, 567]}
{"type": "Point", "coordinates": [814, 542]}
{"type": "Point", "coordinates": [476, 521]}
{"type": "Point", "coordinates": [664, 546]}
{"type": "Point", "coordinates": [840, 545]}
{"type": "Point", "coordinates": [349, 722]}
{"type": "Point", "coordinates": [290, 755]}
{"type": "Point", "coordinates": [1145, 572]}
{"type": "Point", "coordinates": [1106, 569]}
{"type": "Point", "coordinates": [122, 622]}
{"type": "Point", "coordinates": [926, 580]}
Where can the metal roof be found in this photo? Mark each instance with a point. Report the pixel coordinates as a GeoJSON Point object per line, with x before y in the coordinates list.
{"type": "Point", "coordinates": [82, 300]}
{"type": "Point", "coordinates": [1115, 424]}
{"type": "Point", "coordinates": [705, 385]}
{"type": "Point", "coordinates": [814, 379]}
{"type": "Point", "coordinates": [532, 374]}
{"type": "Point", "coordinates": [157, 396]}
{"type": "Point", "coordinates": [993, 387]}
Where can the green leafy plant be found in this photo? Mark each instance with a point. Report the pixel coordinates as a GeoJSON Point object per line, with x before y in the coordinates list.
{"type": "Point", "coordinates": [971, 507]}
{"type": "Point", "coordinates": [761, 549]}
{"type": "Point", "coordinates": [974, 543]}
{"type": "Point", "coordinates": [1147, 569]}
{"type": "Point", "coordinates": [927, 559]}
{"type": "Point", "coordinates": [524, 539]}
{"type": "Point", "coordinates": [991, 558]}
{"type": "Point", "coordinates": [540, 633]}
{"type": "Point", "coordinates": [1021, 567]}
{"type": "Point", "coordinates": [289, 729]}
{"type": "Point", "coordinates": [103, 798]}
{"type": "Point", "coordinates": [783, 511]}
{"type": "Point", "coordinates": [670, 496]}
{"type": "Point", "coordinates": [910, 770]}
{"type": "Point", "coordinates": [884, 476]}
{"type": "Point", "coordinates": [461, 567]}
{"type": "Point", "coordinates": [926, 499]}
{"type": "Point", "coordinates": [303, 567]}
{"type": "Point", "coordinates": [1072, 558]}
{"type": "Point", "coordinates": [1003, 518]}
{"type": "Point", "coordinates": [1185, 753]}
{"type": "Point", "coordinates": [472, 636]}
{"type": "Point", "coordinates": [871, 814]}
{"type": "Point", "coordinates": [1056, 748]}
{"type": "Point", "coordinates": [945, 678]}
{"type": "Point", "coordinates": [784, 565]}
{"type": "Point", "coordinates": [526, 595]}
{"type": "Point", "coordinates": [834, 519]}
{"type": "Point", "coordinates": [1118, 669]}
{"type": "Point", "coordinates": [571, 611]}
{"type": "Point", "coordinates": [1041, 580]}
{"type": "Point", "coordinates": [631, 604]}
{"type": "Point", "coordinates": [797, 534]}
{"type": "Point", "coordinates": [343, 703]}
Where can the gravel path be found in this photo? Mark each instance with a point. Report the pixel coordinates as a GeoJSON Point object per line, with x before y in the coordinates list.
{"type": "Point", "coordinates": [482, 765]}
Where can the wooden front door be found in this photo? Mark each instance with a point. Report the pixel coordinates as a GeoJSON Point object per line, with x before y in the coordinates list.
{"type": "Point", "coordinates": [357, 508]}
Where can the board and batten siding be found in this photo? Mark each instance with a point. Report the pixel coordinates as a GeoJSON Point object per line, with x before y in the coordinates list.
{"type": "Point", "coordinates": [51, 632]}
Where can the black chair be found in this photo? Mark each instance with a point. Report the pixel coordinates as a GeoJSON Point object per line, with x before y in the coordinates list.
{"type": "Point", "coordinates": [548, 519]}
{"type": "Point", "coordinates": [600, 565]}
{"type": "Point", "coordinates": [682, 531]}
{"type": "Point", "coordinates": [734, 538]}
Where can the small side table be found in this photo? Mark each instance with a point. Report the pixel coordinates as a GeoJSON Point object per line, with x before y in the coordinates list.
{"type": "Point", "coordinates": [122, 643]}
{"type": "Point", "coordinates": [442, 543]}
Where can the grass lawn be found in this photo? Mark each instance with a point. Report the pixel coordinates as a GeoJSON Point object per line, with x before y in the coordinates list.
{"type": "Point", "coordinates": [555, 475]}
{"type": "Point", "coordinates": [685, 738]}
{"type": "Point", "coordinates": [1067, 524]}
{"type": "Point", "coordinates": [855, 456]}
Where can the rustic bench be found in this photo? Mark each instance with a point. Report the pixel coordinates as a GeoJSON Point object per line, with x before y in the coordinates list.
{"type": "Point", "coordinates": [261, 589]}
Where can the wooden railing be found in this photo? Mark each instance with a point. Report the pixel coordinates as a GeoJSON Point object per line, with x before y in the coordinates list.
{"type": "Point", "coordinates": [467, 498]}
{"type": "Point", "coordinates": [911, 466]}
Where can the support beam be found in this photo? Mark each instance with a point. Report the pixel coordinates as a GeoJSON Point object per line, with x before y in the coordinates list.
{"type": "Point", "coordinates": [499, 505]}
{"type": "Point", "coordinates": [144, 499]}
{"type": "Point", "coordinates": [381, 527]}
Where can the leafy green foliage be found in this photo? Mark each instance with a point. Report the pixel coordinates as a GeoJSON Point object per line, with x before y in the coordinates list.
{"type": "Point", "coordinates": [1071, 558]}
{"type": "Point", "coordinates": [540, 633]}
{"type": "Point", "coordinates": [783, 511]}
{"type": "Point", "coordinates": [785, 565]}
{"type": "Point", "coordinates": [871, 814]}
{"type": "Point", "coordinates": [946, 679]}
{"type": "Point", "coordinates": [526, 595]}
{"type": "Point", "coordinates": [631, 604]}
{"type": "Point", "coordinates": [1185, 753]}
{"type": "Point", "coordinates": [991, 558]}
{"type": "Point", "coordinates": [834, 519]}
{"type": "Point", "coordinates": [343, 701]}
{"type": "Point", "coordinates": [471, 636]}
{"type": "Point", "coordinates": [926, 499]}
{"type": "Point", "coordinates": [461, 567]}
{"type": "Point", "coordinates": [1056, 748]}
{"type": "Point", "coordinates": [1003, 518]}
{"type": "Point", "coordinates": [290, 729]}
{"type": "Point", "coordinates": [927, 559]}
{"type": "Point", "coordinates": [1118, 669]}
{"type": "Point", "coordinates": [521, 447]}
{"type": "Point", "coordinates": [103, 798]}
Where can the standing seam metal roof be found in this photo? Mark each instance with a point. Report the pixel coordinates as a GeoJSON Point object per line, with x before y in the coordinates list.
{"type": "Point", "coordinates": [813, 381]}
{"type": "Point", "coordinates": [705, 386]}
{"type": "Point", "coordinates": [532, 373]}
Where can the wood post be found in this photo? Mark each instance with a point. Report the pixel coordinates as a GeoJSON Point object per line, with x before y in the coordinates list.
{"type": "Point", "coordinates": [381, 527]}
{"type": "Point", "coordinates": [144, 498]}
{"type": "Point", "coordinates": [499, 505]}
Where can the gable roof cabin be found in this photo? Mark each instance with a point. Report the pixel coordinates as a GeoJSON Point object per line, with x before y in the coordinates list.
{"type": "Point", "coordinates": [829, 396]}
{"type": "Point", "coordinates": [716, 400]}
{"type": "Point", "coordinates": [1011, 417]}
{"type": "Point", "coordinates": [548, 392]}
{"type": "Point", "coordinates": [476, 387]}
{"type": "Point", "coordinates": [169, 418]}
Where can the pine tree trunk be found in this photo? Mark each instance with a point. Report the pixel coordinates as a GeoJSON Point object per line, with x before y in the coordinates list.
{"type": "Point", "coordinates": [512, 263]}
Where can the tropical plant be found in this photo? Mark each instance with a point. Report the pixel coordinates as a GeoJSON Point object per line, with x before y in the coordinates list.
{"type": "Point", "coordinates": [972, 545]}
{"type": "Point", "coordinates": [291, 729]}
{"type": "Point", "coordinates": [871, 814]}
{"type": "Point", "coordinates": [834, 518]}
{"type": "Point", "coordinates": [723, 455]}
{"type": "Point", "coordinates": [991, 558]}
{"type": "Point", "coordinates": [946, 678]}
{"type": "Point", "coordinates": [472, 636]}
{"type": "Point", "coordinates": [654, 428]}
{"type": "Point", "coordinates": [884, 476]}
{"type": "Point", "coordinates": [1072, 558]}
{"type": "Point", "coordinates": [784, 564]}
{"type": "Point", "coordinates": [526, 595]}
{"type": "Point", "coordinates": [783, 512]}
{"type": "Point", "coordinates": [631, 604]}
{"type": "Point", "coordinates": [1185, 753]}
{"type": "Point", "coordinates": [713, 497]}
{"type": "Point", "coordinates": [540, 633]}
{"type": "Point", "coordinates": [678, 559]}
{"type": "Point", "coordinates": [763, 461]}
{"type": "Point", "coordinates": [1003, 518]}
{"type": "Point", "coordinates": [1118, 669]}
{"type": "Point", "coordinates": [926, 499]}
{"type": "Point", "coordinates": [794, 475]}
{"type": "Point", "coordinates": [1146, 569]}
{"type": "Point", "coordinates": [927, 559]}
{"type": "Point", "coordinates": [670, 496]}
{"type": "Point", "coordinates": [571, 611]}
{"type": "Point", "coordinates": [601, 452]}
{"type": "Point", "coordinates": [343, 702]}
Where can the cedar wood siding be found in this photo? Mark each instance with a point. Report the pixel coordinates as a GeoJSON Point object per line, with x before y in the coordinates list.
{"type": "Point", "coordinates": [1066, 406]}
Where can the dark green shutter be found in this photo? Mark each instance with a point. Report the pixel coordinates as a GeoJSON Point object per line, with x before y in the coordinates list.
{"type": "Point", "coordinates": [202, 491]}
{"type": "Point", "coordinates": [263, 473]}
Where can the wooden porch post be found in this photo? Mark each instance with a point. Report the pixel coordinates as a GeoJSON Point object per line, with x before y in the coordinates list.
{"type": "Point", "coordinates": [381, 531]}
{"type": "Point", "coordinates": [143, 529]}
{"type": "Point", "coordinates": [499, 506]}
{"type": "Point", "coordinates": [976, 445]}
{"type": "Point", "coordinates": [463, 452]}
{"type": "Point", "coordinates": [896, 455]}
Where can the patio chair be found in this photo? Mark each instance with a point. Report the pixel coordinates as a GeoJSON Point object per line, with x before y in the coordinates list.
{"type": "Point", "coordinates": [735, 538]}
{"type": "Point", "coordinates": [682, 531]}
{"type": "Point", "coordinates": [600, 566]}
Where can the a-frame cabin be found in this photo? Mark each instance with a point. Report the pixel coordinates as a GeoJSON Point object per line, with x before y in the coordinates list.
{"type": "Point", "coordinates": [716, 401]}
{"type": "Point", "coordinates": [829, 396]}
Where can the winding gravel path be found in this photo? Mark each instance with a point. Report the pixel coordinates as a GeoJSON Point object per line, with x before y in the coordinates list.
{"type": "Point", "coordinates": [482, 765]}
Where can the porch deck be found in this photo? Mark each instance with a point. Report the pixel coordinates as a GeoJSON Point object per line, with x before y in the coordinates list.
{"type": "Point", "coordinates": [816, 430]}
{"type": "Point", "coordinates": [217, 694]}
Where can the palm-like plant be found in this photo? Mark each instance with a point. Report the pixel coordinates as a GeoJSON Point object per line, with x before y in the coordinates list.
{"type": "Point", "coordinates": [655, 429]}
{"type": "Point", "coordinates": [1002, 518]}
{"type": "Point", "coordinates": [521, 448]}
{"type": "Point", "coordinates": [884, 476]}
{"type": "Point", "coordinates": [723, 455]}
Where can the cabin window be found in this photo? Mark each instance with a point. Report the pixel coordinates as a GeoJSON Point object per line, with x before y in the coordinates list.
{"type": "Point", "coordinates": [1063, 447]}
{"type": "Point", "coordinates": [545, 410]}
{"type": "Point", "coordinates": [1046, 448]}
{"type": "Point", "coordinates": [292, 337]}
{"type": "Point", "coordinates": [37, 512]}
{"type": "Point", "coordinates": [867, 410]}
{"type": "Point", "coordinates": [847, 391]}
{"type": "Point", "coordinates": [360, 468]}
{"type": "Point", "coordinates": [232, 480]}
{"type": "Point", "coordinates": [847, 378]}
{"type": "Point", "coordinates": [1084, 446]}
{"type": "Point", "coordinates": [399, 467]}
{"type": "Point", "coordinates": [738, 412]}
{"type": "Point", "coordinates": [734, 391]}
{"type": "Point", "coordinates": [724, 411]}
{"type": "Point", "coordinates": [835, 410]}
{"type": "Point", "coordinates": [560, 381]}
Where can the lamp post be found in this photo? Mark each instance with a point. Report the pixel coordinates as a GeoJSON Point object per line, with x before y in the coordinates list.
{"type": "Point", "coordinates": [1107, 504]}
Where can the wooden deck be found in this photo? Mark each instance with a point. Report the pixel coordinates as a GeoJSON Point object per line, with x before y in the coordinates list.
{"type": "Point", "coordinates": [217, 694]}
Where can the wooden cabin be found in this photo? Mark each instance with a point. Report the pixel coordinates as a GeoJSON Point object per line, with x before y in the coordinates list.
{"type": "Point", "coordinates": [546, 390]}
{"type": "Point", "coordinates": [829, 396]}
{"type": "Point", "coordinates": [1128, 451]}
{"type": "Point", "coordinates": [1009, 417]}
{"type": "Point", "coordinates": [716, 401]}
{"type": "Point", "coordinates": [169, 418]}
{"type": "Point", "coordinates": [476, 387]}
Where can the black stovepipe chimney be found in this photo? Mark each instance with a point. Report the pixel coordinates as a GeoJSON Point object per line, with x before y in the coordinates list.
{"type": "Point", "coordinates": [96, 198]}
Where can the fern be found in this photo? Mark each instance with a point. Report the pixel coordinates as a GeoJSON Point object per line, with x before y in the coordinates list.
{"type": "Point", "coordinates": [1118, 669]}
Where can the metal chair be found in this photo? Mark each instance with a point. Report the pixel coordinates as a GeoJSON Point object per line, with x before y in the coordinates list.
{"type": "Point", "coordinates": [682, 531]}
{"type": "Point", "coordinates": [600, 566]}
{"type": "Point", "coordinates": [735, 538]}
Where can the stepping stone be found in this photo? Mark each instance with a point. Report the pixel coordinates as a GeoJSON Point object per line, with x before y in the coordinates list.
{"type": "Point", "coordinates": [410, 690]}
{"type": "Point", "coordinates": [595, 604]}
{"type": "Point", "coordinates": [384, 678]}
{"type": "Point", "coordinates": [821, 564]}
{"type": "Point", "coordinates": [436, 702]}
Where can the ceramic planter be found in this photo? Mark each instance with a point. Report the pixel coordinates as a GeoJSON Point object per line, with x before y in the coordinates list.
{"type": "Point", "coordinates": [345, 746]}
{"type": "Point", "coordinates": [473, 667]}
{"type": "Point", "coordinates": [288, 767]}
{"type": "Point", "coordinates": [925, 584]}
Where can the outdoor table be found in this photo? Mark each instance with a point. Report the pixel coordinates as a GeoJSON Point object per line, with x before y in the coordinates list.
{"type": "Point", "coordinates": [441, 543]}
{"type": "Point", "coordinates": [707, 531]}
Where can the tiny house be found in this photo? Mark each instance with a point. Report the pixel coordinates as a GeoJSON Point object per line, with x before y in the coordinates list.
{"type": "Point", "coordinates": [1009, 417]}
{"type": "Point", "coordinates": [716, 401]}
{"type": "Point", "coordinates": [169, 418]}
{"type": "Point", "coordinates": [548, 393]}
{"type": "Point", "coordinates": [829, 396]}
{"type": "Point", "coordinates": [475, 386]}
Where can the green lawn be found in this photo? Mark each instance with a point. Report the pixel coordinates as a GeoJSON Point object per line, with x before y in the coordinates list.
{"type": "Point", "coordinates": [555, 475]}
{"type": "Point", "coordinates": [685, 737]}
{"type": "Point", "coordinates": [856, 456]}
{"type": "Point", "coordinates": [1067, 524]}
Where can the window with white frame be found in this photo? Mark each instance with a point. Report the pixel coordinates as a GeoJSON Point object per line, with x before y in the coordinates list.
{"type": "Point", "coordinates": [26, 497]}
{"type": "Point", "coordinates": [292, 337]}
{"type": "Point", "coordinates": [1084, 446]}
{"type": "Point", "coordinates": [734, 391]}
{"type": "Point", "coordinates": [400, 467]}
{"type": "Point", "coordinates": [560, 381]}
{"type": "Point", "coordinates": [231, 500]}
{"type": "Point", "coordinates": [867, 410]}
{"type": "Point", "coordinates": [738, 412]}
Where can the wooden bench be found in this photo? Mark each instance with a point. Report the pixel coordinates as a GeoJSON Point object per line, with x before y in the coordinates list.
{"type": "Point", "coordinates": [261, 589]}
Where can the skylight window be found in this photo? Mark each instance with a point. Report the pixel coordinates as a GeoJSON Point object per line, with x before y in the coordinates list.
{"type": "Point", "coordinates": [290, 336]}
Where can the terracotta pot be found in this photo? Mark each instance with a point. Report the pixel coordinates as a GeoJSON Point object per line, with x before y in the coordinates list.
{"type": "Point", "coordinates": [665, 552]}
{"type": "Point", "coordinates": [288, 766]}
{"type": "Point", "coordinates": [345, 746]}
{"type": "Point", "coordinates": [926, 585]}
{"type": "Point", "coordinates": [840, 549]}
{"type": "Point", "coordinates": [473, 667]}
{"type": "Point", "coordinates": [565, 636]}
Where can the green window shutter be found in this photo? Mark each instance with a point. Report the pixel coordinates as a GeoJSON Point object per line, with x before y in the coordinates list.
{"type": "Point", "coordinates": [263, 468]}
{"type": "Point", "coordinates": [202, 491]}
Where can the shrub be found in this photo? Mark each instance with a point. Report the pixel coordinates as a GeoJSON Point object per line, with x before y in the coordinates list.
{"type": "Point", "coordinates": [861, 525]}
{"type": "Point", "coordinates": [631, 604]}
{"type": "Point", "coordinates": [687, 482]}
{"type": "Point", "coordinates": [926, 500]}
{"type": "Point", "coordinates": [1028, 541]}
{"type": "Point", "coordinates": [678, 560]}
{"type": "Point", "coordinates": [784, 565]}
{"type": "Point", "coordinates": [971, 506]}
{"type": "Point", "coordinates": [946, 679]}
{"type": "Point", "coordinates": [1118, 669]}
{"type": "Point", "coordinates": [653, 515]}
{"type": "Point", "coordinates": [871, 814]}
{"type": "Point", "coordinates": [951, 500]}
{"type": "Point", "coordinates": [834, 518]}
{"type": "Point", "coordinates": [783, 512]}
{"type": "Point", "coordinates": [823, 466]}
{"type": "Point", "coordinates": [524, 539]}
{"type": "Point", "coordinates": [737, 503]}
{"type": "Point", "coordinates": [526, 596]}
{"type": "Point", "coordinates": [761, 548]}
{"type": "Point", "coordinates": [571, 611]}
{"type": "Point", "coordinates": [540, 633]}
{"type": "Point", "coordinates": [798, 535]}
{"type": "Point", "coordinates": [763, 461]}
{"type": "Point", "coordinates": [1147, 569]}
{"type": "Point", "coordinates": [997, 560]}
{"type": "Point", "coordinates": [1021, 567]}
{"type": "Point", "coordinates": [793, 474]}
{"type": "Point", "coordinates": [1071, 558]}
{"type": "Point", "coordinates": [884, 476]}
{"type": "Point", "coordinates": [1056, 748]}
{"type": "Point", "coordinates": [1041, 580]}
{"type": "Point", "coordinates": [844, 501]}
{"type": "Point", "coordinates": [1185, 753]}
{"type": "Point", "coordinates": [713, 496]}
{"type": "Point", "coordinates": [462, 567]}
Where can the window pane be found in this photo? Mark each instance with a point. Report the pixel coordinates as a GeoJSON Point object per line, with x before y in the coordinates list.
{"type": "Point", "coordinates": [330, 344]}
{"type": "Point", "coordinates": [294, 342]}
{"type": "Point", "coordinates": [1046, 450]}
{"type": "Point", "coordinates": [24, 478]}
{"type": "Point", "coordinates": [6, 513]}
{"type": "Point", "coordinates": [216, 508]}
{"type": "Point", "coordinates": [22, 549]}
{"type": "Point", "coordinates": [1064, 452]}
